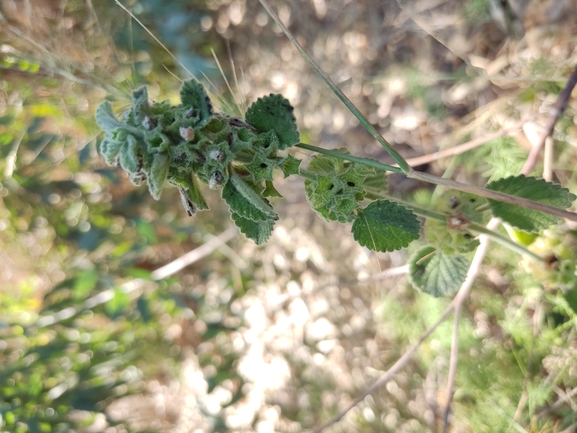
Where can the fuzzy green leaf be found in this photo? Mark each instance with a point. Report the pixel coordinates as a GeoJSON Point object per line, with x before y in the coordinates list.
{"type": "Point", "coordinates": [157, 174]}
{"type": "Point", "coordinates": [251, 197]}
{"type": "Point", "coordinates": [270, 190]}
{"type": "Point", "coordinates": [376, 183]}
{"type": "Point", "coordinates": [538, 190]}
{"type": "Point", "coordinates": [131, 155]}
{"type": "Point", "coordinates": [106, 119]}
{"type": "Point", "coordinates": [332, 198]}
{"type": "Point", "coordinates": [290, 165]}
{"type": "Point", "coordinates": [274, 113]}
{"type": "Point", "coordinates": [195, 195]}
{"type": "Point", "coordinates": [188, 186]}
{"type": "Point", "coordinates": [244, 207]}
{"type": "Point", "coordinates": [261, 168]}
{"type": "Point", "coordinates": [437, 274]}
{"type": "Point", "coordinates": [110, 149]}
{"type": "Point", "coordinates": [194, 97]}
{"type": "Point", "coordinates": [258, 231]}
{"type": "Point", "coordinates": [140, 105]}
{"type": "Point", "coordinates": [338, 188]}
{"type": "Point", "coordinates": [385, 226]}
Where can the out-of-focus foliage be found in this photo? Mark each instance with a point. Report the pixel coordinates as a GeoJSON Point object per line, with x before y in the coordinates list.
{"type": "Point", "coordinates": [81, 324]}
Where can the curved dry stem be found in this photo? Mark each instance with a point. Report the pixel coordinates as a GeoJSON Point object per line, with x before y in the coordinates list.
{"type": "Point", "coordinates": [397, 366]}
{"type": "Point", "coordinates": [131, 286]}
{"type": "Point", "coordinates": [464, 291]}
{"type": "Point", "coordinates": [556, 111]}
{"type": "Point", "coordinates": [465, 147]}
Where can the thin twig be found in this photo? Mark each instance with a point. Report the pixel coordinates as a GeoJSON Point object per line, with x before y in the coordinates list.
{"type": "Point", "coordinates": [474, 270]}
{"type": "Point", "coordinates": [194, 255]}
{"type": "Point", "coordinates": [136, 284]}
{"type": "Point", "coordinates": [548, 160]}
{"type": "Point", "coordinates": [385, 377]}
{"type": "Point", "coordinates": [465, 147]}
{"type": "Point", "coordinates": [554, 114]}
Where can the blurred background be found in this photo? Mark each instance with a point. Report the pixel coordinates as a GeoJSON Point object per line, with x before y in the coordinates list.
{"type": "Point", "coordinates": [279, 337]}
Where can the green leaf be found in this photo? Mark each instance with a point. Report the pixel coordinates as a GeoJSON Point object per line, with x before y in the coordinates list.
{"type": "Point", "coordinates": [131, 155]}
{"type": "Point", "coordinates": [385, 226]}
{"type": "Point", "coordinates": [106, 119]}
{"type": "Point", "coordinates": [157, 174]}
{"type": "Point", "coordinates": [243, 207]}
{"type": "Point", "coordinates": [531, 188]}
{"type": "Point", "coordinates": [376, 183]}
{"type": "Point", "coordinates": [437, 274]}
{"type": "Point", "coordinates": [252, 198]}
{"type": "Point", "coordinates": [270, 190]}
{"type": "Point", "coordinates": [337, 190]}
{"type": "Point", "coordinates": [260, 168]}
{"type": "Point", "coordinates": [274, 113]}
{"type": "Point", "coordinates": [110, 149]}
{"type": "Point", "coordinates": [195, 195]}
{"type": "Point", "coordinates": [85, 283]}
{"type": "Point", "coordinates": [258, 231]}
{"type": "Point", "coordinates": [140, 105]}
{"type": "Point", "coordinates": [289, 165]}
{"type": "Point", "coordinates": [332, 197]}
{"type": "Point", "coordinates": [193, 96]}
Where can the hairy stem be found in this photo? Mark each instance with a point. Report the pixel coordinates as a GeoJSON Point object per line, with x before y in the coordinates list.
{"type": "Point", "coordinates": [365, 161]}
{"type": "Point", "coordinates": [483, 192]}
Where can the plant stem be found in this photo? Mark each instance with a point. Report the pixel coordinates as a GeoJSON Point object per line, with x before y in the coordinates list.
{"type": "Point", "coordinates": [505, 241]}
{"type": "Point", "coordinates": [405, 168]}
{"type": "Point", "coordinates": [494, 236]}
{"type": "Point", "coordinates": [494, 195]}
{"type": "Point", "coordinates": [365, 161]}
{"type": "Point", "coordinates": [483, 192]}
{"type": "Point", "coordinates": [307, 174]}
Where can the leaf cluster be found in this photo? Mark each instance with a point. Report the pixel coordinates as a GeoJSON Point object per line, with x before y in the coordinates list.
{"type": "Point", "coordinates": [189, 142]}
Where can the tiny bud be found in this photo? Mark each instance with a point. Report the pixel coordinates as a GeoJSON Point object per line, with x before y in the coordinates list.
{"type": "Point", "coordinates": [149, 123]}
{"type": "Point", "coordinates": [188, 205]}
{"type": "Point", "coordinates": [187, 133]}
{"type": "Point", "coordinates": [217, 155]}
{"type": "Point", "coordinates": [216, 179]}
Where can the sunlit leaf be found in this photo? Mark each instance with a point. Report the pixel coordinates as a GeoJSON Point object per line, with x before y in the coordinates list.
{"type": "Point", "coordinates": [274, 113]}
{"type": "Point", "coordinates": [531, 188]}
{"type": "Point", "coordinates": [385, 226]}
{"type": "Point", "coordinates": [436, 273]}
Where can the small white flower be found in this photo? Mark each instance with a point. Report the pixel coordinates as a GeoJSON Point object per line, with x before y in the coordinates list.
{"type": "Point", "coordinates": [216, 154]}
{"type": "Point", "coordinates": [187, 133]}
